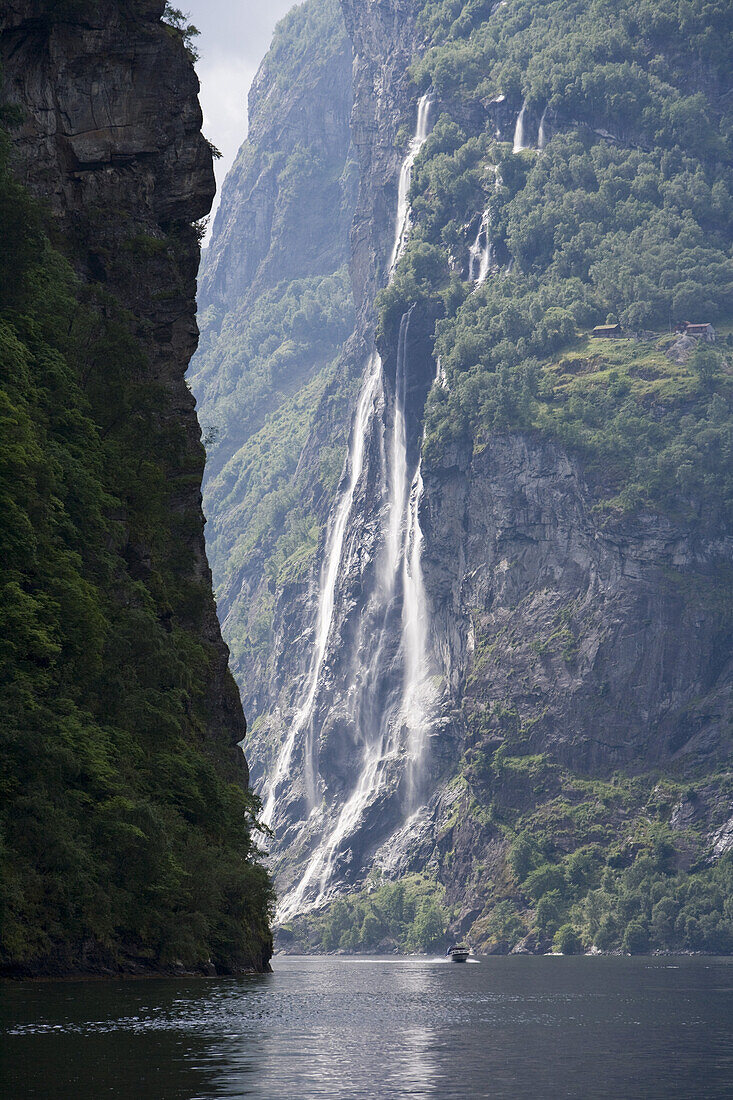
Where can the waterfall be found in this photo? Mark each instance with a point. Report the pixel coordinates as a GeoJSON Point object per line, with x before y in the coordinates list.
{"type": "Point", "coordinates": [520, 141]}
{"type": "Point", "coordinates": [480, 253]}
{"type": "Point", "coordinates": [403, 194]}
{"type": "Point", "coordinates": [479, 263]}
{"type": "Point", "coordinates": [418, 693]}
{"type": "Point", "coordinates": [327, 590]}
{"type": "Point", "coordinates": [542, 135]}
{"type": "Point", "coordinates": [441, 378]}
{"type": "Point", "coordinates": [390, 717]}
{"type": "Point", "coordinates": [397, 465]}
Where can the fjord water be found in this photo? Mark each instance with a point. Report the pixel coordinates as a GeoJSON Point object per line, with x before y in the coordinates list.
{"type": "Point", "coordinates": [380, 1028]}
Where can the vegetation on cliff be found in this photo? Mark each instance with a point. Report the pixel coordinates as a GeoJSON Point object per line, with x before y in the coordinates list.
{"type": "Point", "coordinates": [125, 824]}
{"type": "Point", "coordinates": [625, 215]}
{"type": "Point", "coordinates": [404, 916]}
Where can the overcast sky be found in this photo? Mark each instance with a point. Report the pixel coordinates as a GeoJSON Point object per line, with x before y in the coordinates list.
{"type": "Point", "coordinates": [235, 36]}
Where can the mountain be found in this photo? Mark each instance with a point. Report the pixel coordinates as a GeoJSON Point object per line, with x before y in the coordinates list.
{"type": "Point", "coordinates": [491, 691]}
{"type": "Point", "coordinates": [126, 819]}
{"type": "Point", "coordinates": [275, 309]}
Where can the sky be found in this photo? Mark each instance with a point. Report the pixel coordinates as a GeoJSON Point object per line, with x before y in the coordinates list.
{"type": "Point", "coordinates": [235, 36]}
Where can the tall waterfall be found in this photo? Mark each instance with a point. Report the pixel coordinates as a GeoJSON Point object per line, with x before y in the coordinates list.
{"type": "Point", "coordinates": [418, 691]}
{"type": "Point", "coordinates": [479, 263]}
{"type": "Point", "coordinates": [520, 138]}
{"type": "Point", "coordinates": [403, 195]}
{"type": "Point", "coordinates": [326, 595]}
{"type": "Point", "coordinates": [389, 711]}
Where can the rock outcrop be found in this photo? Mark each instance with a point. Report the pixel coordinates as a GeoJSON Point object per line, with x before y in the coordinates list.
{"type": "Point", "coordinates": [111, 140]}
{"type": "Point", "coordinates": [105, 131]}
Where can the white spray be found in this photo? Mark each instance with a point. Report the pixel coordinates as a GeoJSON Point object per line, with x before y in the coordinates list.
{"type": "Point", "coordinates": [418, 694]}
{"type": "Point", "coordinates": [403, 194]}
{"type": "Point", "coordinates": [520, 141]}
{"type": "Point", "coordinates": [399, 559]}
{"type": "Point", "coordinates": [542, 135]}
{"type": "Point", "coordinates": [479, 263]}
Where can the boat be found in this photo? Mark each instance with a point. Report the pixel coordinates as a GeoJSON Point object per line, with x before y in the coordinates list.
{"type": "Point", "coordinates": [458, 954]}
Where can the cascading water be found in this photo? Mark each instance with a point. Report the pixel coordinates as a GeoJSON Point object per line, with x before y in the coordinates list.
{"type": "Point", "coordinates": [390, 721]}
{"type": "Point", "coordinates": [479, 263]}
{"type": "Point", "coordinates": [520, 139]}
{"type": "Point", "coordinates": [327, 588]}
{"type": "Point", "coordinates": [403, 194]}
{"type": "Point", "coordinates": [542, 135]}
{"type": "Point", "coordinates": [418, 691]}
{"type": "Point", "coordinates": [481, 252]}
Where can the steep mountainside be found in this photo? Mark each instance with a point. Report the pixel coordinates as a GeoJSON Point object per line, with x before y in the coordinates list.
{"type": "Point", "coordinates": [275, 308]}
{"type": "Point", "coordinates": [500, 694]}
{"type": "Point", "coordinates": [125, 814]}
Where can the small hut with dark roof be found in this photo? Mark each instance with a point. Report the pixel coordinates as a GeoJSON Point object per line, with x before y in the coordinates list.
{"type": "Point", "coordinates": [607, 332]}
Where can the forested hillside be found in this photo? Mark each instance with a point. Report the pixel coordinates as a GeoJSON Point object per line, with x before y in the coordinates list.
{"type": "Point", "coordinates": [626, 216]}
{"type": "Point", "coordinates": [125, 818]}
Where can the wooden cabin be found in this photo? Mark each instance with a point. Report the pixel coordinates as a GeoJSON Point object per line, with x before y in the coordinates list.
{"type": "Point", "coordinates": [704, 331]}
{"type": "Point", "coordinates": [607, 332]}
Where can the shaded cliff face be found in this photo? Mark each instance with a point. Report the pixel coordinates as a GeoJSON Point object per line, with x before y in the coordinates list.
{"type": "Point", "coordinates": [109, 139]}
{"type": "Point", "coordinates": [276, 308]}
{"type": "Point", "coordinates": [602, 644]}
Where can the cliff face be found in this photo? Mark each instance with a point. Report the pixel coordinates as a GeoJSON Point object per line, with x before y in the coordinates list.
{"type": "Point", "coordinates": [483, 658]}
{"type": "Point", "coordinates": [109, 140]}
{"type": "Point", "coordinates": [575, 650]}
{"type": "Point", "coordinates": [385, 41]}
{"type": "Point", "coordinates": [271, 227]}
{"type": "Point", "coordinates": [276, 309]}
{"type": "Point", "coordinates": [604, 645]}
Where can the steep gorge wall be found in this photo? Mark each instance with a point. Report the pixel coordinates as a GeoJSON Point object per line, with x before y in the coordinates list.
{"type": "Point", "coordinates": [276, 308]}
{"type": "Point", "coordinates": [111, 141]}
{"type": "Point", "coordinates": [108, 138]}
{"type": "Point", "coordinates": [581, 661]}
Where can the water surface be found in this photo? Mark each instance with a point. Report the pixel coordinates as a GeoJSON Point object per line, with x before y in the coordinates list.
{"type": "Point", "coordinates": [333, 1028]}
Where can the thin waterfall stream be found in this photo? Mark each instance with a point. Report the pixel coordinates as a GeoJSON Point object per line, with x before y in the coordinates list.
{"type": "Point", "coordinates": [520, 137]}
{"type": "Point", "coordinates": [391, 724]}
{"type": "Point", "coordinates": [479, 263]}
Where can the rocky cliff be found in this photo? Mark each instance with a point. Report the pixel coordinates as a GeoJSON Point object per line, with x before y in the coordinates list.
{"type": "Point", "coordinates": [106, 134]}
{"type": "Point", "coordinates": [501, 678]}
{"type": "Point", "coordinates": [276, 308]}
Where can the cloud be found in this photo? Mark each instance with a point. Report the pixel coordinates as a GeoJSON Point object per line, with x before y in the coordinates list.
{"type": "Point", "coordinates": [225, 84]}
{"type": "Point", "coordinates": [235, 36]}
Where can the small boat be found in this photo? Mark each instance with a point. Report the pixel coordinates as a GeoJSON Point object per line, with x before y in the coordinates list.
{"type": "Point", "coordinates": [458, 954]}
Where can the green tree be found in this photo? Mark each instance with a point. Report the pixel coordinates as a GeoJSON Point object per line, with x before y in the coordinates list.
{"type": "Point", "coordinates": [567, 940]}
{"type": "Point", "coordinates": [428, 928]}
{"type": "Point", "coordinates": [636, 938]}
